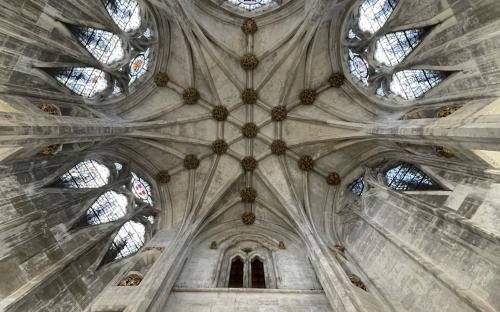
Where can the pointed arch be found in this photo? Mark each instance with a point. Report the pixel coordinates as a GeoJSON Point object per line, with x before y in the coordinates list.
{"type": "Point", "coordinates": [129, 239]}
{"type": "Point", "coordinates": [109, 207]}
{"type": "Point", "coordinates": [394, 47]}
{"type": "Point", "coordinates": [105, 47]}
{"type": "Point", "coordinates": [411, 84]}
{"type": "Point", "coordinates": [236, 273]}
{"type": "Point", "coordinates": [125, 13]}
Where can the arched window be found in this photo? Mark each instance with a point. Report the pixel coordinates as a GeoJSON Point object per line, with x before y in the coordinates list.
{"type": "Point", "coordinates": [258, 275]}
{"type": "Point", "coordinates": [84, 81]}
{"type": "Point", "coordinates": [110, 206]}
{"type": "Point", "coordinates": [106, 47]}
{"type": "Point", "coordinates": [393, 48]}
{"type": "Point", "coordinates": [141, 189]}
{"type": "Point", "coordinates": [251, 5]}
{"type": "Point", "coordinates": [358, 186]}
{"type": "Point", "coordinates": [139, 66]}
{"type": "Point", "coordinates": [128, 240]}
{"type": "Point", "coordinates": [406, 177]}
{"type": "Point", "coordinates": [87, 174]}
{"type": "Point", "coordinates": [237, 273]}
{"type": "Point", "coordinates": [125, 13]}
{"type": "Point", "coordinates": [388, 50]}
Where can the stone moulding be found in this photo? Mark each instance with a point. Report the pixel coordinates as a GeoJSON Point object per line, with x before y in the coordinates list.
{"type": "Point", "coordinates": [133, 279]}
{"type": "Point", "coordinates": [249, 61]}
{"type": "Point", "coordinates": [307, 96]}
{"type": "Point", "coordinates": [306, 163]}
{"type": "Point", "coordinates": [248, 195]}
{"type": "Point", "coordinates": [249, 163]}
{"type": "Point", "coordinates": [163, 177]}
{"type": "Point", "coordinates": [248, 218]}
{"type": "Point", "coordinates": [250, 130]}
{"type": "Point", "coordinates": [191, 162]}
{"type": "Point", "coordinates": [220, 147]}
{"type": "Point", "coordinates": [161, 80]}
{"type": "Point", "coordinates": [336, 80]}
{"type": "Point", "coordinates": [49, 109]}
{"type": "Point", "coordinates": [278, 147]}
{"type": "Point", "coordinates": [279, 113]}
{"type": "Point", "coordinates": [333, 179]}
{"type": "Point", "coordinates": [213, 245]}
{"type": "Point", "coordinates": [249, 26]}
{"type": "Point", "coordinates": [281, 245]}
{"type": "Point", "coordinates": [356, 281]}
{"type": "Point", "coordinates": [340, 248]}
{"type": "Point", "coordinates": [220, 113]}
{"type": "Point", "coordinates": [249, 96]}
{"type": "Point", "coordinates": [51, 150]}
{"type": "Point", "coordinates": [444, 152]}
{"type": "Point", "coordinates": [190, 96]}
{"type": "Point", "coordinates": [446, 111]}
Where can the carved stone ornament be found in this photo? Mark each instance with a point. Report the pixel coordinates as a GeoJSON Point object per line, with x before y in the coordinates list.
{"type": "Point", "coordinates": [250, 130]}
{"type": "Point", "coordinates": [191, 162]}
{"type": "Point", "coordinates": [307, 96]}
{"type": "Point", "coordinates": [132, 279]}
{"type": "Point", "coordinates": [444, 152]}
{"type": "Point", "coordinates": [156, 248]}
{"type": "Point", "coordinates": [249, 26]}
{"type": "Point", "coordinates": [249, 61]}
{"type": "Point", "coordinates": [213, 245]}
{"type": "Point", "coordinates": [163, 177]}
{"type": "Point", "coordinates": [249, 96]}
{"type": "Point", "coordinates": [51, 150]}
{"type": "Point", "coordinates": [220, 147]}
{"type": "Point", "coordinates": [49, 109]}
{"type": "Point", "coordinates": [333, 179]}
{"type": "Point", "coordinates": [446, 111]}
{"type": "Point", "coordinates": [248, 195]}
{"type": "Point", "coordinates": [248, 218]}
{"type": "Point", "coordinates": [281, 245]}
{"type": "Point", "coordinates": [190, 96]}
{"type": "Point", "coordinates": [306, 163]}
{"type": "Point", "coordinates": [357, 282]}
{"type": "Point", "coordinates": [249, 163]}
{"type": "Point", "coordinates": [340, 248]}
{"type": "Point", "coordinates": [220, 113]}
{"type": "Point", "coordinates": [278, 147]}
{"type": "Point", "coordinates": [161, 80]}
{"type": "Point", "coordinates": [336, 80]}
{"type": "Point", "coordinates": [279, 113]}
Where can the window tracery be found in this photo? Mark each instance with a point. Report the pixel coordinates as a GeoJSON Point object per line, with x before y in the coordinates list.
{"type": "Point", "coordinates": [407, 177]}
{"type": "Point", "coordinates": [124, 58]}
{"type": "Point", "coordinates": [376, 55]}
{"type": "Point", "coordinates": [358, 186]}
{"type": "Point", "coordinates": [251, 5]}
{"type": "Point", "coordinates": [113, 203]}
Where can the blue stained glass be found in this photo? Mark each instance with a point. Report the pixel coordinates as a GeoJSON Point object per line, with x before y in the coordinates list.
{"type": "Point", "coordinates": [414, 83]}
{"type": "Point", "coordinates": [139, 66]}
{"type": "Point", "coordinates": [84, 81]}
{"type": "Point", "coordinates": [87, 174]}
{"type": "Point", "coordinates": [373, 14]}
{"type": "Point", "coordinates": [129, 239]}
{"type": "Point", "coordinates": [393, 48]}
{"type": "Point", "coordinates": [251, 5]}
{"type": "Point", "coordinates": [406, 177]}
{"type": "Point", "coordinates": [110, 206]}
{"type": "Point", "coordinates": [125, 13]}
{"type": "Point", "coordinates": [106, 47]}
{"type": "Point", "coordinates": [358, 67]}
{"type": "Point", "coordinates": [358, 186]}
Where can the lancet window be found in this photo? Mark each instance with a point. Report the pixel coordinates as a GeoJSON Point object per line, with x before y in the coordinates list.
{"type": "Point", "coordinates": [376, 55]}
{"type": "Point", "coordinates": [407, 177]}
{"type": "Point", "coordinates": [123, 55]}
{"type": "Point", "coordinates": [115, 203]}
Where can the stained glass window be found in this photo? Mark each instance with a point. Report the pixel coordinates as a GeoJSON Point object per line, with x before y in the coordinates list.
{"type": "Point", "coordinates": [358, 67]}
{"type": "Point", "coordinates": [139, 66]}
{"type": "Point", "coordinates": [393, 48]}
{"type": "Point", "coordinates": [85, 81]}
{"type": "Point", "coordinates": [251, 5]}
{"type": "Point", "coordinates": [141, 189]}
{"type": "Point", "coordinates": [110, 206]}
{"type": "Point", "coordinates": [106, 47]}
{"type": "Point", "coordinates": [406, 177]}
{"type": "Point", "coordinates": [129, 240]}
{"type": "Point", "coordinates": [373, 14]}
{"type": "Point", "coordinates": [358, 186]}
{"type": "Point", "coordinates": [87, 174]}
{"type": "Point", "coordinates": [125, 13]}
{"type": "Point", "coordinates": [414, 83]}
